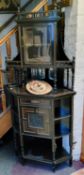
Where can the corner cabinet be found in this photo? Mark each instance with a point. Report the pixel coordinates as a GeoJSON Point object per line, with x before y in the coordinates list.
{"type": "Point", "coordinates": [42, 125]}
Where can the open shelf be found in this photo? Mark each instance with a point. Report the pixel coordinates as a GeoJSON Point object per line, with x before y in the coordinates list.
{"type": "Point", "coordinates": [38, 149]}
{"type": "Point", "coordinates": [63, 131]}
{"type": "Point", "coordinates": [62, 127]}
{"type": "Point", "coordinates": [61, 155]}
{"type": "Point", "coordinates": [62, 108]}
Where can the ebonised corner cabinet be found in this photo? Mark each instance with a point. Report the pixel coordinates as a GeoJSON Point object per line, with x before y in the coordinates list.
{"type": "Point", "coordinates": [42, 124]}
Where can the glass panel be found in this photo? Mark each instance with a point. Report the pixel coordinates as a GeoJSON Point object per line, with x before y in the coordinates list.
{"type": "Point", "coordinates": [38, 43]}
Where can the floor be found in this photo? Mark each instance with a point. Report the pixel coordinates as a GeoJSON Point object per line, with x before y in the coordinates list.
{"type": "Point", "coordinates": [9, 164]}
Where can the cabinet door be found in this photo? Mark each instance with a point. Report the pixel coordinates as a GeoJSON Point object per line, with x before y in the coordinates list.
{"type": "Point", "coordinates": [38, 43]}
{"type": "Point", "coordinates": [36, 118]}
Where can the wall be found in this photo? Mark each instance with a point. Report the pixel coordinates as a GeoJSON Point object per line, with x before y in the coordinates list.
{"type": "Point", "coordinates": [74, 46]}
{"type": "Point", "coordinates": [71, 29]}
{"type": "Point", "coordinates": [5, 17]}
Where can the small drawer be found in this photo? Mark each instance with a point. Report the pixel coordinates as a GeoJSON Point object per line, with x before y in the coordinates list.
{"type": "Point", "coordinates": [34, 102]}
{"type": "Point", "coordinates": [24, 100]}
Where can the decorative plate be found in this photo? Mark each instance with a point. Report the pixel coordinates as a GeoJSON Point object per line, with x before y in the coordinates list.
{"type": "Point", "coordinates": [37, 87]}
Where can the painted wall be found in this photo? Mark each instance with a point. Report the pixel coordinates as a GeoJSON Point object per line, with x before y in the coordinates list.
{"type": "Point", "coordinates": [5, 17]}
{"type": "Point", "coordinates": [74, 46]}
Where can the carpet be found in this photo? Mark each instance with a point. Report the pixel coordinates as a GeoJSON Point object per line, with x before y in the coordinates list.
{"type": "Point", "coordinates": [9, 165]}
{"type": "Point", "coordinates": [79, 172]}
{"type": "Point", "coordinates": [78, 165]}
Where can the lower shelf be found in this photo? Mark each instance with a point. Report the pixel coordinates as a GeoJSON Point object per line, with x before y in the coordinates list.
{"type": "Point", "coordinates": [41, 150]}
{"type": "Point", "coordinates": [63, 156]}
{"type": "Point", "coordinates": [38, 149]}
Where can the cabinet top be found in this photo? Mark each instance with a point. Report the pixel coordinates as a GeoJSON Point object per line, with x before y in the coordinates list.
{"type": "Point", "coordinates": [21, 92]}
{"type": "Point", "coordinates": [38, 17]}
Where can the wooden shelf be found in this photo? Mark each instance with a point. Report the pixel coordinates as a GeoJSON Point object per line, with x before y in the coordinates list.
{"type": "Point", "coordinates": [47, 157]}
{"type": "Point", "coordinates": [44, 153]}
{"type": "Point", "coordinates": [36, 135]}
{"type": "Point", "coordinates": [62, 117]}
